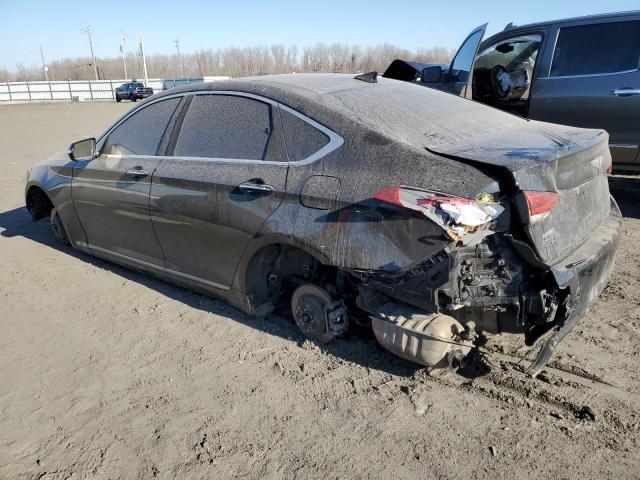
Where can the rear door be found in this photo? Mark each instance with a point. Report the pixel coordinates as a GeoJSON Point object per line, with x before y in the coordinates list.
{"type": "Point", "coordinates": [111, 192]}
{"type": "Point", "coordinates": [592, 80]}
{"type": "Point", "coordinates": [459, 77]}
{"type": "Point", "coordinates": [224, 175]}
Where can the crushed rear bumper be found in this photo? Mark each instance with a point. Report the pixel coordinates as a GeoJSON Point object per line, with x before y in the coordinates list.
{"type": "Point", "coordinates": [585, 272]}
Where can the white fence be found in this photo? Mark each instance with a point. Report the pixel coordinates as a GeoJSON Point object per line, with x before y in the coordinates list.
{"type": "Point", "coordinates": [82, 89]}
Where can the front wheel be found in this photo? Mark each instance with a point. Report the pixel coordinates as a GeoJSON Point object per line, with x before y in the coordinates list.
{"type": "Point", "coordinates": [58, 228]}
{"type": "Point", "coordinates": [132, 98]}
{"type": "Point", "coordinates": [118, 99]}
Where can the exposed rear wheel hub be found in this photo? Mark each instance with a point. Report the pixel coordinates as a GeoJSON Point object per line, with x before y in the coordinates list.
{"type": "Point", "coordinates": [317, 315]}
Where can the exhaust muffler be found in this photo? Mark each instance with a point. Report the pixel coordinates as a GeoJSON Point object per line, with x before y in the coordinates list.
{"type": "Point", "coordinates": [433, 340]}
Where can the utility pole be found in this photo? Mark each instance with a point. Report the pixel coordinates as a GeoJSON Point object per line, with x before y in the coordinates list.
{"type": "Point", "coordinates": [124, 62]}
{"type": "Point", "coordinates": [144, 61]}
{"type": "Point", "coordinates": [177, 42]}
{"type": "Point", "coordinates": [44, 66]}
{"type": "Point", "coordinates": [95, 65]}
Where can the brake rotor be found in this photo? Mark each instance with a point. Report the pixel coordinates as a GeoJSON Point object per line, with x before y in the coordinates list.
{"type": "Point", "coordinates": [309, 304]}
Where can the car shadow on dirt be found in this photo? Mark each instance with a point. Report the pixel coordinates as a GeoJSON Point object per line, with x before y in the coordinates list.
{"type": "Point", "coordinates": [626, 191]}
{"type": "Point", "coordinates": [359, 347]}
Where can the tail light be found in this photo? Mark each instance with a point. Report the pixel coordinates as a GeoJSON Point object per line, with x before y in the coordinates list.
{"type": "Point", "coordinates": [610, 169]}
{"type": "Point", "coordinates": [540, 204]}
{"type": "Point", "coordinates": [457, 215]}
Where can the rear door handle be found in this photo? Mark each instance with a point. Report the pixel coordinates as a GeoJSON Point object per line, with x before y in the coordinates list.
{"type": "Point", "coordinates": [256, 187]}
{"type": "Point", "coordinates": [137, 173]}
{"type": "Point", "coordinates": [625, 92]}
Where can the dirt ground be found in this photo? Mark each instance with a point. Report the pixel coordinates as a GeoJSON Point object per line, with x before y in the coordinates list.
{"type": "Point", "coordinates": [106, 373]}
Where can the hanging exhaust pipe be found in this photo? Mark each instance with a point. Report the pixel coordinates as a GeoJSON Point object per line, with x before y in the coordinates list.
{"type": "Point", "coordinates": [432, 340]}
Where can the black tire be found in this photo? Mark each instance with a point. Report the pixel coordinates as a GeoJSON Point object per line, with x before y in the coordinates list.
{"type": "Point", "coordinates": [118, 99]}
{"type": "Point", "coordinates": [132, 98]}
{"type": "Point", "coordinates": [59, 232]}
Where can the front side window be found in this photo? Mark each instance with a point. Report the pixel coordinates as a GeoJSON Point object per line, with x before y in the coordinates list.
{"type": "Point", "coordinates": [597, 49]}
{"type": "Point", "coordinates": [461, 66]}
{"type": "Point", "coordinates": [140, 134]}
{"type": "Point", "coordinates": [512, 54]}
{"type": "Point", "coordinates": [227, 126]}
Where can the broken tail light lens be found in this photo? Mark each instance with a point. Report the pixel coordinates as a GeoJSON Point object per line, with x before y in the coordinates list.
{"type": "Point", "coordinates": [457, 215]}
{"type": "Point", "coordinates": [540, 204]}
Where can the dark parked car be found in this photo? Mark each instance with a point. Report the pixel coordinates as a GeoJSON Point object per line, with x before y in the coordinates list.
{"type": "Point", "coordinates": [132, 91]}
{"type": "Point", "coordinates": [582, 72]}
{"type": "Point", "coordinates": [417, 213]}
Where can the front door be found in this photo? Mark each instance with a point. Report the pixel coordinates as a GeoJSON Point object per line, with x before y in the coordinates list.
{"type": "Point", "coordinates": [458, 78]}
{"type": "Point", "coordinates": [593, 81]}
{"type": "Point", "coordinates": [111, 192]}
{"type": "Point", "coordinates": [224, 175]}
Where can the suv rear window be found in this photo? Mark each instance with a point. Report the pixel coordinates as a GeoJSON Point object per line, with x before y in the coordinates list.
{"type": "Point", "coordinates": [596, 49]}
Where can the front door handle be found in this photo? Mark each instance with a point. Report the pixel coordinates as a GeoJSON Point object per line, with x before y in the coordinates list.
{"type": "Point", "coordinates": [625, 92]}
{"type": "Point", "coordinates": [256, 187]}
{"type": "Point", "coordinates": [137, 173]}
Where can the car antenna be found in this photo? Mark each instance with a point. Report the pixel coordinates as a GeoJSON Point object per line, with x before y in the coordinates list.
{"type": "Point", "coordinates": [369, 77]}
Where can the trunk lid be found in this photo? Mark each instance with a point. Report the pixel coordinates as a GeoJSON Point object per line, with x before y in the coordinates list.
{"type": "Point", "coordinates": [545, 157]}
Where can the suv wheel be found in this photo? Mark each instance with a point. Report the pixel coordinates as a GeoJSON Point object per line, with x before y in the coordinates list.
{"type": "Point", "coordinates": [118, 99]}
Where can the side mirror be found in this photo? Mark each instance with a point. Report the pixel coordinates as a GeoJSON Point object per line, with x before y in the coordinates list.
{"type": "Point", "coordinates": [431, 74]}
{"type": "Point", "coordinates": [83, 150]}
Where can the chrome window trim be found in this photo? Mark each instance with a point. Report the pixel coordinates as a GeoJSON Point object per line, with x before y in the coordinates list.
{"type": "Point", "coordinates": [621, 72]}
{"type": "Point", "coordinates": [152, 266]}
{"type": "Point", "coordinates": [335, 140]}
{"type": "Point", "coordinates": [102, 137]}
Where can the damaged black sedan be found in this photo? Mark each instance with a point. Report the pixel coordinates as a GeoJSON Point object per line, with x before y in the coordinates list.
{"type": "Point", "coordinates": [424, 216]}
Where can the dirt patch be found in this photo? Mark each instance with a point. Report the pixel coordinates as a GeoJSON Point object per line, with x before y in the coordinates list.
{"type": "Point", "coordinates": [108, 373]}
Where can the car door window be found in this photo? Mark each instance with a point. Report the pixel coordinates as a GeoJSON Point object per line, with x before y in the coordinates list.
{"type": "Point", "coordinates": [302, 139]}
{"type": "Point", "coordinates": [597, 49]}
{"type": "Point", "coordinates": [227, 126]}
{"type": "Point", "coordinates": [140, 134]}
{"type": "Point", "coordinates": [462, 63]}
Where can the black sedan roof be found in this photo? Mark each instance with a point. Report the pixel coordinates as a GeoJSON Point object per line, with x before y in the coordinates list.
{"type": "Point", "coordinates": [407, 112]}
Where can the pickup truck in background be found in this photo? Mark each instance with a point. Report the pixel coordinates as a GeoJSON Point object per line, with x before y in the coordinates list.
{"type": "Point", "coordinates": [582, 72]}
{"type": "Point", "coordinates": [132, 91]}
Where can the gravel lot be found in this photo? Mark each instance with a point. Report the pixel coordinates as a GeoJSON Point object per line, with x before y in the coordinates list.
{"type": "Point", "coordinates": [106, 373]}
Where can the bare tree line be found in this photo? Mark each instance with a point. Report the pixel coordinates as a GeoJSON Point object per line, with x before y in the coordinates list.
{"type": "Point", "coordinates": [234, 61]}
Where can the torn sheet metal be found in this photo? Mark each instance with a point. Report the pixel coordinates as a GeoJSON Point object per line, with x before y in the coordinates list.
{"type": "Point", "coordinates": [458, 216]}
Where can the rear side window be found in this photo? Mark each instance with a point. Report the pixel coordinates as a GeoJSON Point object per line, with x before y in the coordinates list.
{"type": "Point", "coordinates": [302, 138]}
{"type": "Point", "coordinates": [597, 49]}
{"type": "Point", "coordinates": [140, 134]}
{"type": "Point", "coordinates": [226, 126]}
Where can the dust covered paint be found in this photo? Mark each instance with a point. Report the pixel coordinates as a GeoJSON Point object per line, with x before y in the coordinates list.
{"type": "Point", "coordinates": [355, 199]}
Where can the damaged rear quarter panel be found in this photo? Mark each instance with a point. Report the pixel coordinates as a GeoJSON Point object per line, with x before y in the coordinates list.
{"type": "Point", "coordinates": [360, 233]}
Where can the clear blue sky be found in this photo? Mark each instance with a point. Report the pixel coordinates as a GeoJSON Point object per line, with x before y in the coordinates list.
{"type": "Point", "coordinates": [57, 25]}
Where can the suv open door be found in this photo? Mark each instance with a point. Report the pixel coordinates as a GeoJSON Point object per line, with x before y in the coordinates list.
{"type": "Point", "coordinates": [458, 77]}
